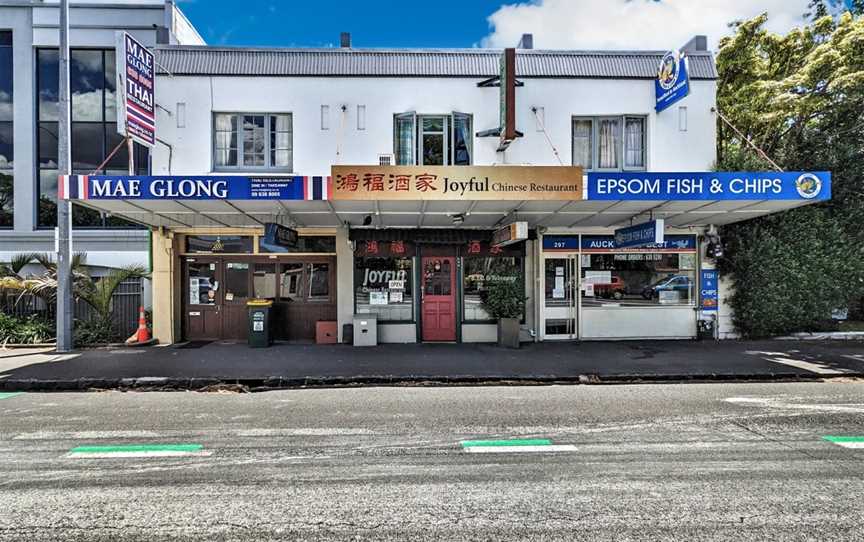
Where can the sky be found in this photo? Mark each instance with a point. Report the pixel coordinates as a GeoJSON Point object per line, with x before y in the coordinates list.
{"type": "Point", "coordinates": [556, 24]}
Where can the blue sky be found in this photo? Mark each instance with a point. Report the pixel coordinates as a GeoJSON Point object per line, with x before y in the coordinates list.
{"type": "Point", "coordinates": [372, 23]}
{"type": "Point", "coordinates": [556, 24]}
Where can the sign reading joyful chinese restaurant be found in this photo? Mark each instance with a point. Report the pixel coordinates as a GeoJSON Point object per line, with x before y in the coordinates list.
{"type": "Point", "coordinates": [457, 183]}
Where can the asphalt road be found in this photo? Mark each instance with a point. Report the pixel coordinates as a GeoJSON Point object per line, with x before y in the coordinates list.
{"type": "Point", "coordinates": [651, 462]}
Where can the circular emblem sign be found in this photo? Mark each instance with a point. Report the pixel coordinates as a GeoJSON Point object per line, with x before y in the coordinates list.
{"type": "Point", "coordinates": [808, 186]}
{"type": "Point", "coordinates": [670, 68]}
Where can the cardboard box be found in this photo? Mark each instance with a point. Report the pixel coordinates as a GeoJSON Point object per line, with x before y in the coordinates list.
{"type": "Point", "coordinates": [326, 332]}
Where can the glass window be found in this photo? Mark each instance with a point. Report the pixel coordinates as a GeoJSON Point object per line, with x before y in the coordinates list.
{"type": "Point", "coordinates": [48, 145]}
{"type": "Point", "coordinates": [439, 139]}
{"type": "Point", "coordinates": [291, 281]}
{"type": "Point", "coordinates": [48, 197]}
{"type": "Point", "coordinates": [557, 280]}
{"type": "Point", "coordinates": [48, 73]}
{"type": "Point", "coordinates": [462, 139]}
{"type": "Point", "coordinates": [86, 84]}
{"type": "Point", "coordinates": [202, 283]}
{"type": "Point", "coordinates": [583, 135]}
{"type": "Point", "coordinates": [437, 276]}
{"type": "Point", "coordinates": [88, 144]}
{"type": "Point", "coordinates": [281, 150]}
{"type": "Point", "coordinates": [264, 280]}
{"type": "Point", "coordinates": [634, 142]}
{"type": "Point", "coordinates": [6, 76]}
{"type": "Point", "coordinates": [383, 286]}
{"type": "Point", "coordinates": [110, 86]}
{"type": "Point", "coordinates": [305, 244]}
{"type": "Point", "coordinates": [229, 244]}
{"type": "Point", "coordinates": [7, 190]}
{"type": "Point", "coordinates": [404, 130]}
{"type": "Point", "coordinates": [638, 279]}
{"type": "Point", "coordinates": [608, 143]}
{"type": "Point", "coordinates": [253, 141]}
{"type": "Point", "coordinates": [479, 273]}
{"type": "Point", "coordinates": [6, 146]}
{"type": "Point", "coordinates": [318, 276]}
{"type": "Point", "coordinates": [432, 141]}
{"type": "Point", "coordinates": [236, 281]}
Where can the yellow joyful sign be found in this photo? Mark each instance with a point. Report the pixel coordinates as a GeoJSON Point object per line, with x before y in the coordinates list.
{"type": "Point", "coordinates": [457, 183]}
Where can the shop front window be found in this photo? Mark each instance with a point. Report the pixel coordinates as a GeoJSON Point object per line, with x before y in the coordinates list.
{"type": "Point", "coordinates": [480, 272]}
{"type": "Point", "coordinates": [236, 281]}
{"type": "Point", "coordinates": [264, 280]}
{"type": "Point", "coordinates": [639, 278]}
{"type": "Point", "coordinates": [202, 284]}
{"type": "Point", "coordinates": [383, 286]}
{"type": "Point", "coordinates": [291, 282]}
{"type": "Point", "coordinates": [319, 281]}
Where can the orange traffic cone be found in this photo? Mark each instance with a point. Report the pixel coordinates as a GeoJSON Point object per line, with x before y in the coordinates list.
{"type": "Point", "coordinates": [143, 333]}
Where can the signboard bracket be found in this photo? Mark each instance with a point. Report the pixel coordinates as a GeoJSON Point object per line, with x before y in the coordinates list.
{"type": "Point", "coordinates": [496, 82]}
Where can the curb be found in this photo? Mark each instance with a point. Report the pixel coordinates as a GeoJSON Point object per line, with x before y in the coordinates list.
{"type": "Point", "coordinates": [280, 383]}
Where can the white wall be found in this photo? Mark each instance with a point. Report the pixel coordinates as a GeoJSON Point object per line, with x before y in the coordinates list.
{"type": "Point", "coordinates": [315, 149]}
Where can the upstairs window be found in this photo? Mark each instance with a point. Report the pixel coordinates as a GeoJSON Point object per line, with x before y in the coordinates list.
{"type": "Point", "coordinates": [253, 141]}
{"type": "Point", "coordinates": [610, 143]}
{"type": "Point", "coordinates": [433, 140]}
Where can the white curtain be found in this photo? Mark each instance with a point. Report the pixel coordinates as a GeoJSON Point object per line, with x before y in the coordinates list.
{"type": "Point", "coordinates": [609, 144]}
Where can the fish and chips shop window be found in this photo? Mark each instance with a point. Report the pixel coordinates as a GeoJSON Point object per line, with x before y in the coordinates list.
{"type": "Point", "coordinates": [383, 279]}
{"type": "Point", "coordinates": [483, 265]}
{"type": "Point", "coordinates": [655, 275]}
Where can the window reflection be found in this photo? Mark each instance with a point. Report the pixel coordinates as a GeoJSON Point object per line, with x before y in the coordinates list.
{"type": "Point", "coordinates": [87, 81]}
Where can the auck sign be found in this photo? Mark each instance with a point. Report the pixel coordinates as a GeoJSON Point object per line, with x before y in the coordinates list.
{"type": "Point", "coordinates": [456, 183]}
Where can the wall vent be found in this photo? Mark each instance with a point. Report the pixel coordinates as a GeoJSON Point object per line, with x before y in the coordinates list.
{"type": "Point", "coordinates": [385, 159]}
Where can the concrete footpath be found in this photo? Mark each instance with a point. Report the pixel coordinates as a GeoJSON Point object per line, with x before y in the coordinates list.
{"type": "Point", "coordinates": [290, 365]}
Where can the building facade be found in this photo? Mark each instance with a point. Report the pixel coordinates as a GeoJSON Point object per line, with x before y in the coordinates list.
{"type": "Point", "coordinates": [28, 120]}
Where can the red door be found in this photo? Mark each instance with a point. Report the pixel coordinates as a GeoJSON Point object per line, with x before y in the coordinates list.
{"type": "Point", "coordinates": [439, 298]}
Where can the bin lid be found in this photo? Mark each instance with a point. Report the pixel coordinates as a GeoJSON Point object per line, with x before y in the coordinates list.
{"type": "Point", "coordinates": [259, 303]}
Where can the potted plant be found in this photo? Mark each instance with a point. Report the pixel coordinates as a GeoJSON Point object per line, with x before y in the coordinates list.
{"type": "Point", "coordinates": [505, 301]}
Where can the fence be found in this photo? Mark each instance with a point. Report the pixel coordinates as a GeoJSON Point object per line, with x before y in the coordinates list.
{"type": "Point", "coordinates": [125, 302]}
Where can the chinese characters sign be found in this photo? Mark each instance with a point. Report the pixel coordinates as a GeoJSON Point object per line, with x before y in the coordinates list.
{"type": "Point", "coordinates": [457, 183]}
{"type": "Point", "coordinates": [136, 116]}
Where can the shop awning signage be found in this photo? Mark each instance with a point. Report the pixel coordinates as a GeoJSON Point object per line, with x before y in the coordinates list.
{"type": "Point", "coordinates": [639, 235]}
{"type": "Point", "coordinates": [716, 186]}
{"type": "Point", "coordinates": [457, 183]}
{"type": "Point", "coordinates": [228, 187]}
{"type": "Point", "coordinates": [509, 234]}
{"type": "Point", "coordinates": [671, 243]}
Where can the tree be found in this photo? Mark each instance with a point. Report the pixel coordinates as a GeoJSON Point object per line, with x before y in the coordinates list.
{"type": "Point", "coordinates": [800, 98]}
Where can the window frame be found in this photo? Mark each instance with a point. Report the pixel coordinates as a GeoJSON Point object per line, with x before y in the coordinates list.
{"type": "Point", "coordinates": [463, 268]}
{"type": "Point", "coordinates": [449, 136]}
{"type": "Point", "coordinates": [621, 146]}
{"type": "Point", "coordinates": [410, 280]}
{"type": "Point", "coordinates": [268, 142]}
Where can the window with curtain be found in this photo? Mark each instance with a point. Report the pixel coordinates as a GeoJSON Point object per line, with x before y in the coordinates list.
{"type": "Point", "coordinates": [583, 136]}
{"type": "Point", "coordinates": [610, 143]}
{"type": "Point", "coordinates": [253, 141]}
{"type": "Point", "coordinates": [433, 139]}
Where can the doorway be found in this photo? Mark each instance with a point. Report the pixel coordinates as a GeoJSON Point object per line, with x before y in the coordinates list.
{"type": "Point", "coordinates": [561, 298]}
{"type": "Point", "coordinates": [439, 298]}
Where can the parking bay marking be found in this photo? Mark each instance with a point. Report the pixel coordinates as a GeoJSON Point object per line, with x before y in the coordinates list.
{"type": "Point", "coordinates": [10, 394]}
{"type": "Point", "coordinates": [514, 446]}
{"type": "Point", "coordinates": [847, 442]}
{"type": "Point", "coordinates": [138, 450]}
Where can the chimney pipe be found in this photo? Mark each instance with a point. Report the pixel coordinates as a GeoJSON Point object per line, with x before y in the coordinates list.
{"type": "Point", "coordinates": [526, 42]}
{"type": "Point", "coordinates": [345, 40]}
{"type": "Point", "coordinates": [696, 44]}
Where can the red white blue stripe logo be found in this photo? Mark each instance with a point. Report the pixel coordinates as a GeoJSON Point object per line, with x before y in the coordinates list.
{"type": "Point", "coordinates": [73, 187]}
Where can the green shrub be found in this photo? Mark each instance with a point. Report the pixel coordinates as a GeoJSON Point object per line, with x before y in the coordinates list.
{"type": "Point", "coordinates": [505, 299]}
{"type": "Point", "coordinates": [28, 330]}
{"type": "Point", "coordinates": [95, 331]}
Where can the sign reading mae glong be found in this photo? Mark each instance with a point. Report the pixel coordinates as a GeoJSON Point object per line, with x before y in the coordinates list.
{"type": "Point", "coordinates": [136, 116]}
{"type": "Point", "coordinates": [747, 185]}
{"type": "Point", "coordinates": [457, 183]}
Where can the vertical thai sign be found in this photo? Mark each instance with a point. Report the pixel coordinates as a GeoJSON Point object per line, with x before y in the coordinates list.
{"type": "Point", "coordinates": [136, 114]}
{"type": "Point", "coordinates": [507, 80]}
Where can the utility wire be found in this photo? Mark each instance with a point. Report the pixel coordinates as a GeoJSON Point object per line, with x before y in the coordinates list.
{"type": "Point", "coordinates": [750, 143]}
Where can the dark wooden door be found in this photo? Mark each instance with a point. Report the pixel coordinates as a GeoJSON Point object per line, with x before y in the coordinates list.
{"type": "Point", "coordinates": [202, 303]}
{"type": "Point", "coordinates": [439, 298]}
{"type": "Point", "coordinates": [235, 294]}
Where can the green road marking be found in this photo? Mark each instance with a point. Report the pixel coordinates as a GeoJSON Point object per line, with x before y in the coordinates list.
{"type": "Point", "coordinates": [844, 439]}
{"type": "Point", "coordinates": [137, 448]}
{"type": "Point", "coordinates": [7, 395]}
{"type": "Point", "coordinates": [509, 442]}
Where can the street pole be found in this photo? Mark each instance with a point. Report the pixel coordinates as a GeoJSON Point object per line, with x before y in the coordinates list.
{"type": "Point", "coordinates": [64, 207]}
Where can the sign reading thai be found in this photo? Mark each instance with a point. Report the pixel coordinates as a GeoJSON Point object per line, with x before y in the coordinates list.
{"type": "Point", "coordinates": [639, 235]}
{"type": "Point", "coordinates": [673, 82]}
{"type": "Point", "coordinates": [136, 114]}
{"type": "Point", "coordinates": [735, 185]}
{"type": "Point", "coordinates": [456, 183]}
{"type": "Point", "coordinates": [219, 187]}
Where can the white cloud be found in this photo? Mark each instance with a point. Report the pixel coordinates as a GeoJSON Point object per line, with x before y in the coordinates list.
{"type": "Point", "coordinates": [632, 24]}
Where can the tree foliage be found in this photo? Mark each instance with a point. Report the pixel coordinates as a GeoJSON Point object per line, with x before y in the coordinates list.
{"type": "Point", "coordinates": [800, 98]}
